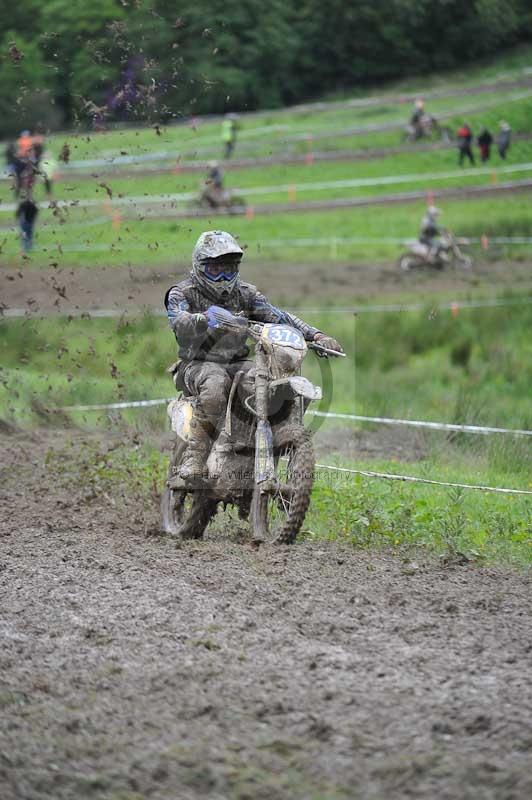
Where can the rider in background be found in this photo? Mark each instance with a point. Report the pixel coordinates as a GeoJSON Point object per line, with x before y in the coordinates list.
{"type": "Point", "coordinates": [213, 188]}
{"type": "Point", "coordinates": [417, 117]}
{"type": "Point", "coordinates": [430, 231]}
{"type": "Point", "coordinates": [209, 355]}
{"type": "Point", "coordinates": [215, 176]}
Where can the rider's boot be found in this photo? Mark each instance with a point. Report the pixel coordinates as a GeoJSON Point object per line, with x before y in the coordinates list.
{"type": "Point", "coordinates": [193, 468]}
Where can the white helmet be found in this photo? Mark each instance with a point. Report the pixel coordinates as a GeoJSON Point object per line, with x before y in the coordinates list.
{"type": "Point", "coordinates": [433, 211]}
{"type": "Point", "coordinates": [216, 261]}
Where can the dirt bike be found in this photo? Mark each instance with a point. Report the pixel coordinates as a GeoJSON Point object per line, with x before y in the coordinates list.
{"type": "Point", "coordinates": [219, 199]}
{"type": "Point", "coordinates": [448, 253]}
{"type": "Point", "coordinates": [262, 459]}
{"type": "Point", "coordinates": [427, 128]}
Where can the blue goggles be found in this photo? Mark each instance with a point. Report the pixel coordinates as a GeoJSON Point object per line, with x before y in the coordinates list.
{"type": "Point", "coordinates": [221, 270]}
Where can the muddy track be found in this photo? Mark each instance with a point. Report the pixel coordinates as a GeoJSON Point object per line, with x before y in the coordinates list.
{"type": "Point", "coordinates": [133, 669]}
{"type": "Point", "coordinates": [86, 290]}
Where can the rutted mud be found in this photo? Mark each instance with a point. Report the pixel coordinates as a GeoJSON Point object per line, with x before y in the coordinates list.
{"type": "Point", "coordinates": [131, 668]}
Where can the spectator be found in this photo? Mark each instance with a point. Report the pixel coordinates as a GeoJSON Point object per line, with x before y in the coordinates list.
{"type": "Point", "coordinates": [484, 141]}
{"type": "Point", "coordinates": [24, 162]}
{"type": "Point", "coordinates": [26, 215]}
{"type": "Point", "coordinates": [503, 139]}
{"type": "Point", "coordinates": [229, 128]}
{"type": "Point", "coordinates": [25, 145]}
{"type": "Point", "coordinates": [465, 138]}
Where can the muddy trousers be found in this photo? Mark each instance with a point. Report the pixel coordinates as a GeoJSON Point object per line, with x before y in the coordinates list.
{"type": "Point", "coordinates": [211, 383]}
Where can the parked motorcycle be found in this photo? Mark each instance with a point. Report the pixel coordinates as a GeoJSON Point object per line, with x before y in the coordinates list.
{"type": "Point", "coordinates": [447, 254]}
{"type": "Point", "coordinates": [262, 459]}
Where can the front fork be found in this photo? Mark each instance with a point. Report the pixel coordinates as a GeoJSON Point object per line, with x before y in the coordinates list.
{"type": "Point", "coordinates": [264, 475]}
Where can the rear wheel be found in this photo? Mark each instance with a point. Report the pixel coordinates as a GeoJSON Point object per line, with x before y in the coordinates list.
{"type": "Point", "coordinates": [184, 514]}
{"type": "Point", "coordinates": [408, 261]}
{"type": "Point", "coordinates": [277, 516]}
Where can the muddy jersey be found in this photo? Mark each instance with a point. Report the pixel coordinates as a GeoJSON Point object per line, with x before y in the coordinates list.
{"type": "Point", "coordinates": [187, 302]}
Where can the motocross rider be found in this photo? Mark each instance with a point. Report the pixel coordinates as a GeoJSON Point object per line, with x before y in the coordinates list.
{"type": "Point", "coordinates": [430, 233]}
{"type": "Point", "coordinates": [210, 357]}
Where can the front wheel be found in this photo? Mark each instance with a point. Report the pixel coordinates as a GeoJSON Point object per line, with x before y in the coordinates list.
{"type": "Point", "coordinates": [408, 261]}
{"type": "Point", "coordinates": [464, 262]}
{"type": "Point", "coordinates": [184, 514]}
{"type": "Point", "coordinates": [277, 516]}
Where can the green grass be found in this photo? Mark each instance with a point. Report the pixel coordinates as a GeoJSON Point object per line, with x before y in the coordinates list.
{"type": "Point", "coordinates": [474, 368]}
{"type": "Point", "coordinates": [371, 512]}
{"type": "Point", "coordinates": [432, 163]}
{"type": "Point", "coordinates": [164, 241]}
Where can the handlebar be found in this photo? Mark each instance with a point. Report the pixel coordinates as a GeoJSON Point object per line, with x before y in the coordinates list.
{"type": "Point", "coordinates": [325, 350]}
{"type": "Point", "coordinates": [255, 328]}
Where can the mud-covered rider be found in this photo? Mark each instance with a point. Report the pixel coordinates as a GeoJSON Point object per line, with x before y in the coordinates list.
{"type": "Point", "coordinates": [209, 357]}
{"type": "Point", "coordinates": [431, 232]}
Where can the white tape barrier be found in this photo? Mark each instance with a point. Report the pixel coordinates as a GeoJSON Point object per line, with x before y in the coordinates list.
{"type": "Point", "coordinates": [105, 406]}
{"type": "Point", "coordinates": [412, 479]}
{"type": "Point", "coordinates": [437, 426]}
{"type": "Point", "coordinates": [365, 473]}
{"type": "Point", "coordinates": [441, 426]}
{"type": "Point", "coordinates": [291, 189]}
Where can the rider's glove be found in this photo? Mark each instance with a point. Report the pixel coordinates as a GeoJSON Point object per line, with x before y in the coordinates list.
{"type": "Point", "coordinates": [218, 317]}
{"type": "Point", "coordinates": [200, 322]}
{"type": "Point", "coordinates": [327, 342]}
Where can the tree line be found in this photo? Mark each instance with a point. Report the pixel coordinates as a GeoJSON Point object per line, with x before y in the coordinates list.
{"type": "Point", "coordinates": [72, 62]}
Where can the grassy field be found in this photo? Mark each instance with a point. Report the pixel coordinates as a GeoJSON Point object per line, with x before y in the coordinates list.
{"type": "Point", "coordinates": [83, 241]}
{"type": "Point", "coordinates": [421, 365]}
{"type": "Point", "coordinates": [473, 367]}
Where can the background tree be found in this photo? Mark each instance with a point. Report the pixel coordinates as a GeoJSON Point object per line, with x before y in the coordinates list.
{"type": "Point", "coordinates": [84, 62]}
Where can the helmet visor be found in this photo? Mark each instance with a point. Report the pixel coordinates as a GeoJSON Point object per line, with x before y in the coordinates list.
{"type": "Point", "coordinates": [223, 268]}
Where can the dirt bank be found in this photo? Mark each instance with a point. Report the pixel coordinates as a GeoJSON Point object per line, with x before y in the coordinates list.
{"type": "Point", "coordinates": [131, 668]}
